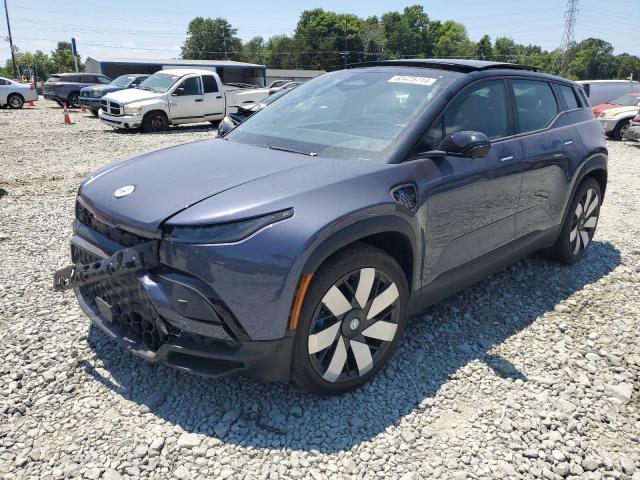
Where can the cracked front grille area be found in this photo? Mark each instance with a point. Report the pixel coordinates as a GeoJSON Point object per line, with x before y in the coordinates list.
{"type": "Point", "coordinates": [129, 304]}
{"type": "Point", "coordinates": [121, 237]}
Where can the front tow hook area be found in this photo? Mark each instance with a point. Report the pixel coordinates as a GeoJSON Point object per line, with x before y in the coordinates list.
{"type": "Point", "coordinates": [125, 261]}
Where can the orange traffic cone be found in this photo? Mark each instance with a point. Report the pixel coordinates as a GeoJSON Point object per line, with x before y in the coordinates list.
{"type": "Point", "coordinates": [67, 118]}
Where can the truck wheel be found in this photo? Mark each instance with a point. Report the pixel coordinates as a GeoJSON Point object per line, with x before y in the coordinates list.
{"type": "Point", "coordinates": [15, 101]}
{"type": "Point", "coordinates": [74, 100]}
{"type": "Point", "coordinates": [155, 122]}
{"type": "Point", "coordinates": [620, 130]}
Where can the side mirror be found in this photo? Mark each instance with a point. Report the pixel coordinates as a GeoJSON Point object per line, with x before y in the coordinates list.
{"type": "Point", "coordinates": [466, 144]}
{"type": "Point", "coordinates": [178, 92]}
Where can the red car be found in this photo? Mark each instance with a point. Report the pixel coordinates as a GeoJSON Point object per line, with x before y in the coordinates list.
{"type": "Point", "coordinates": [627, 100]}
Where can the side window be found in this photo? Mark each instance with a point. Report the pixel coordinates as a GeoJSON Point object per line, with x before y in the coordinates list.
{"type": "Point", "coordinates": [209, 83]}
{"type": "Point", "coordinates": [3, 82]}
{"type": "Point", "coordinates": [104, 80]}
{"type": "Point", "coordinates": [569, 96]}
{"type": "Point", "coordinates": [482, 108]}
{"type": "Point", "coordinates": [535, 104]}
{"type": "Point", "coordinates": [139, 80]}
{"type": "Point", "coordinates": [191, 86]}
{"type": "Point", "coordinates": [88, 79]}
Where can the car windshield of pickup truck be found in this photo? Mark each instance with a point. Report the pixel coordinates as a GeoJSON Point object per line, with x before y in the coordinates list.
{"type": "Point", "coordinates": [159, 82]}
{"type": "Point", "coordinates": [350, 114]}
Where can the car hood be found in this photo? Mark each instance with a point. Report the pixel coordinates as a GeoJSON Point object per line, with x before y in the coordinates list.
{"type": "Point", "coordinates": [104, 89]}
{"type": "Point", "coordinates": [129, 95]}
{"type": "Point", "coordinates": [170, 180]}
{"type": "Point", "coordinates": [602, 107]}
{"type": "Point", "coordinates": [611, 112]}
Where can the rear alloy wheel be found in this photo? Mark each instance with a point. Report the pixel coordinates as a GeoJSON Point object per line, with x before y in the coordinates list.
{"type": "Point", "coordinates": [15, 101]}
{"type": "Point", "coordinates": [351, 321]}
{"type": "Point", "coordinates": [580, 224]}
{"type": "Point", "coordinates": [155, 122]}
{"type": "Point", "coordinates": [74, 100]}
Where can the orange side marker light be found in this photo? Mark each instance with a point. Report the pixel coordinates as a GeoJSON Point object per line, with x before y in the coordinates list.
{"type": "Point", "coordinates": [297, 306]}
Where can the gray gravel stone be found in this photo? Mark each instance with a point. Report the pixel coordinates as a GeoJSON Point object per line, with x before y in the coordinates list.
{"type": "Point", "coordinates": [529, 374]}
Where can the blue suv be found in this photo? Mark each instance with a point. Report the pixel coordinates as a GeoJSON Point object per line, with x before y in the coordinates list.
{"type": "Point", "coordinates": [295, 248]}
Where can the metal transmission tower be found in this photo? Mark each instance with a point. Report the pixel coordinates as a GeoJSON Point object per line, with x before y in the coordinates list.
{"type": "Point", "coordinates": [570, 14]}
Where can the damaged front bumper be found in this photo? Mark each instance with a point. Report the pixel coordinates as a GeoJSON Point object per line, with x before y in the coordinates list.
{"type": "Point", "coordinates": [165, 316]}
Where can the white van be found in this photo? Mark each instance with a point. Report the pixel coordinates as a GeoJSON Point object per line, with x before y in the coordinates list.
{"type": "Point", "coordinates": [601, 91]}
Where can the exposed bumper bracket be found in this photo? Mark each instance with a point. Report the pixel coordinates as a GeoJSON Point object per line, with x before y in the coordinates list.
{"type": "Point", "coordinates": [122, 262]}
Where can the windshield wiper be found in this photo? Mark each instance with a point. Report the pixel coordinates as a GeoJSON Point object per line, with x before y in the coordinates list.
{"type": "Point", "coordinates": [283, 149]}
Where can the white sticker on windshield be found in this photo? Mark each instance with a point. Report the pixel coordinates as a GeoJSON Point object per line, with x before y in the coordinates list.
{"type": "Point", "coordinates": [413, 80]}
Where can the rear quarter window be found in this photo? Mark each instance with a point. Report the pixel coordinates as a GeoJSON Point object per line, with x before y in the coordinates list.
{"type": "Point", "coordinates": [569, 96]}
{"type": "Point", "coordinates": [209, 83]}
{"type": "Point", "coordinates": [536, 104]}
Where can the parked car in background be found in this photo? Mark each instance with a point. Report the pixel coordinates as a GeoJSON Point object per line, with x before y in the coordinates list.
{"type": "Point", "coordinates": [601, 91]}
{"type": "Point", "coordinates": [296, 248]}
{"type": "Point", "coordinates": [65, 87]}
{"type": "Point", "coordinates": [90, 96]}
{"type": "Point", "coordinates": [231, 120]}
{"type": "Point", "coordinates": [285, 86]}
{"type": "Point", "coordinates": [615, 121]}
{"type": "Point", "coordinates": [626, 100]}
{"type": "Point", "coordinates": [174, 97]}
{"type": "Point", "coordinates": [633, 132]}
{"type": "Point", "coordinates": [14, 94]}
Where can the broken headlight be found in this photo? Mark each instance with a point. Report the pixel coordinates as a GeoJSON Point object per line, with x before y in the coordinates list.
{"type": "Point", "coordinates": [227, 232]}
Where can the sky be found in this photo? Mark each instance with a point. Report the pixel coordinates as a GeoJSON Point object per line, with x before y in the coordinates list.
{"type": "Point", "coordinates": [148, 28]}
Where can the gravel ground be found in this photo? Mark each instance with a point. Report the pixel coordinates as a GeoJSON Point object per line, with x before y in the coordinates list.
{"type": "Point", "coordinates": [533, 373]}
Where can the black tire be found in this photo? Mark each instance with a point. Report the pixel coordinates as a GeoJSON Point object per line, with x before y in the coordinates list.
{"type": "Point", "coordinates": [355, 351]}
{"type": "Point", "coordinates": [580, 223]}
{"type": "Point", "coordinates": [618, 131]}
{"type": "Point", "coordinates": [155, 122]}
{"type": "Point", "coordinates": [74, 100]}
{"type": "Point", "coordinates": [15, 101]}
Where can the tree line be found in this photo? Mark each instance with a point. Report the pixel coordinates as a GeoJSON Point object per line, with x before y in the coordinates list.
{"type": "Point", "coordinates": [328, 40]}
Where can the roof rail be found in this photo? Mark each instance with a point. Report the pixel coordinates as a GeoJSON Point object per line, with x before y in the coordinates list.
{"type": "Point", "coordinates": [456, 65]}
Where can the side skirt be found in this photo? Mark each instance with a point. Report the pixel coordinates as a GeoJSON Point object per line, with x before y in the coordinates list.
{"type": "Point", "coordinates": [453, 281]}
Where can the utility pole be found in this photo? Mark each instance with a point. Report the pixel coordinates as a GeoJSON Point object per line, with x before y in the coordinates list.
{"type": "Point", "coordinates": [13, 55]}
{"type": "Point", "coordinates": [224, 42]}
{"type": "Point", "coordinates": [570, 13]}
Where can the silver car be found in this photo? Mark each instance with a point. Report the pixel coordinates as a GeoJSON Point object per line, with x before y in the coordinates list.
{"type": "Point", "coordinates": [14, 94]}
{"type": "Point", "coordinates": [633, 132]}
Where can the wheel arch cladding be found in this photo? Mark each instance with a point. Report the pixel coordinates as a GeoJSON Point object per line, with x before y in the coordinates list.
{"type": "Point", "coordinates": [600, 174]}
{"type": "Point", "coordinates": [390, 234]}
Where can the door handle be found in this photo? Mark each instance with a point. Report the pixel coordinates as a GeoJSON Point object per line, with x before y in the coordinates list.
{"type": "Point", "coordinates": [198, 100]}
{"type": "Point", "coordinates": [506, 159]}
{"type": "Point", "coordinates": [568, 142]}
{"type": "Point", "coordinates": [218, 96]}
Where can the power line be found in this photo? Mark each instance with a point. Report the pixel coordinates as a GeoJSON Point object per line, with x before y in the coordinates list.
{"type": "Point", "coordinates": [570, 14]}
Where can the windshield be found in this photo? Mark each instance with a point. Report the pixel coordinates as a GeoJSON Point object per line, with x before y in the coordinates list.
{"type": "Point", "coordinates": [626, 100]}
{"type": "Point", "coordinates": [349, 114]}
{"type": "Point", "coordinates": [159, 82]}
{"type": "Point", "coordinates": [274, 97]}
{"type": "Point", "coordinates": [122, 81]}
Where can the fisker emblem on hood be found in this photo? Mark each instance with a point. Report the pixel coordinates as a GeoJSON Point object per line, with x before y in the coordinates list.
{"type": "Point", "coordinates": [124, 191]}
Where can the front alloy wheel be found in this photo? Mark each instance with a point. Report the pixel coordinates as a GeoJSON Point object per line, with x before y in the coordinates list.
{"type": "Point", "coordinates": [358, 303]}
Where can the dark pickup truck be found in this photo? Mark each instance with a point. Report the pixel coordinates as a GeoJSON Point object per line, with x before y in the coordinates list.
{"type": "Point", "coordinates": [65, 87]}
{"type": "Point", "coordinates": [90, 96]}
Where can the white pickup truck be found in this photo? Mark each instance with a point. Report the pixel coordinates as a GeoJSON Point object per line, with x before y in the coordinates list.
{"type": "Point", "coordinates": [174, 97]}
